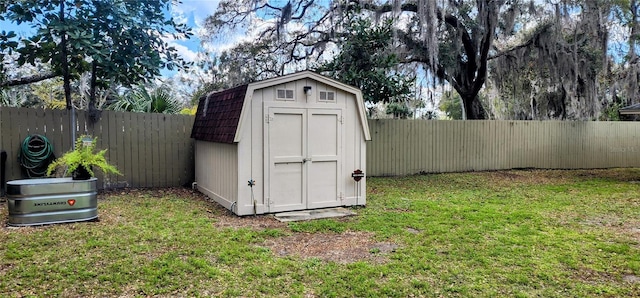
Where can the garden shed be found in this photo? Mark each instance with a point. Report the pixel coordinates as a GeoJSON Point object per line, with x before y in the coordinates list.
{"type": "Point", "coordinates": [289, 143]}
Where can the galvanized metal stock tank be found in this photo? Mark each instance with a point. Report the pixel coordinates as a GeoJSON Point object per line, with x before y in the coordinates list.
{"type": "Point", "coordinates": [51, 200]}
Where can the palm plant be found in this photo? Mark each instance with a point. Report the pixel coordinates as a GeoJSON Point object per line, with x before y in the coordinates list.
{"type": "Point", "coordinates": [15, 97]}
{"type": "Point", "coordinates": [159, 100]}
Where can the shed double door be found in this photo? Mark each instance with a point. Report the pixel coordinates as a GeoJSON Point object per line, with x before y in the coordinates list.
{"type": "Point", "coordinates": [303, 152]}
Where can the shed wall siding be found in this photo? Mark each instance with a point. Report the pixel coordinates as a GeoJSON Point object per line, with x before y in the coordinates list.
{"type": "Point", "coordinates": [355, 151]}
{"type": "Point", "coordinates": [217, 171]}
{"type": "Point", "coordinates": [251, 158]}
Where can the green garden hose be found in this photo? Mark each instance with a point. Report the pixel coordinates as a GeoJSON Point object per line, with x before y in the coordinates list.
{"type": "Point", "coordinates": [36, 153]}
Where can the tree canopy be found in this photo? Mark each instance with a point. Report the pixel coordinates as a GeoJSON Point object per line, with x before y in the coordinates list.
{"type": "Point", "coordinates": [533, 59]}
{"type": "Point", "coordinates": [367, 61]}
{"type": "Point", "coordinates": [116, 41]}
{"type": "Point", "coordinates": [461, 32]}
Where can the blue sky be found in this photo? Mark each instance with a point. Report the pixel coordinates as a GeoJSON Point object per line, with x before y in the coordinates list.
{"type": "Point", "coordinates": [193, 13]}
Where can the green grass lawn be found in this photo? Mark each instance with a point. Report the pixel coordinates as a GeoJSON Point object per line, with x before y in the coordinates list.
{"type": "Point", "coordinates": [496, 234]}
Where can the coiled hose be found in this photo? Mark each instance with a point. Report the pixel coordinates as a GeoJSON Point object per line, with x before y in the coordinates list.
{"type": "Point", "coordinates": [36, 153]}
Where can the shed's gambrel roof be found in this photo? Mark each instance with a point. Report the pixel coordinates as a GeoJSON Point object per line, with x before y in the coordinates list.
{"type": "Point", "coordinates": [225, 110]}
{"type": "Point", "coordinates": [220, 121]}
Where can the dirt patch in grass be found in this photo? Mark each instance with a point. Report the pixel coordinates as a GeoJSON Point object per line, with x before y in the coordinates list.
{"type": "Point", "coordinates": [4, 268]}
{"type": "Point", "coordinates": [226, 219]}
{"type": "Point", "coordinates": [347, 247]}
{"type": "Point", "coordinates": [536, 177]}
{"type": "Point", "coordinates": [634, 279]}
{"type": "Point", "coordinates": [610, 221]}
{"type": "Point", "coordinates": [343, 248]}
{"type": "Point", "coordinates": [635, 231]}
{"type": "Point", "coordinates": [150, 192]}
{"type": "Point", "coordinates": [527, 177]}
{"type": "Point", "coordinates": [258, 222]}
{"type": "Point", "coordinates": [591, 276]}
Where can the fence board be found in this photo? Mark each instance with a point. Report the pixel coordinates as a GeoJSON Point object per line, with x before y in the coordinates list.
{"type": "Point", "coordinates": [162, 148]}
{"type": "Point", "coordinates": [188, 157]}
{"type": "Point", "coordinates": [153, 154]}
{"type": "Point", "coordinates": [144, 162]}
{"type": "Point", "coordinates": [127, 167]}
{"type": "Point", "coordinates": [64, 132]}
{"type": "Point", "coordinates": [173, 128]}
{"type": "Point", "coordinates": [164, 135]}
{"type": "Point", "coordinates": [114, 152]}
{"type": "Point", "coordinates": [3, 116]}
{"type": "Point", "coordinates": [162, 151]}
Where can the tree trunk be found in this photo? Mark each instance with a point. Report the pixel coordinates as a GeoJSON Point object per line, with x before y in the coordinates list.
{"type": "Point", "coordinates": [63, 60]}
{"type": "Point", "coordinates": [469, 75]}
{"type": "Point", "coordinates": [94, 79]}
{"type": "Point", "coordinates": [94, 113]}
{"type": "Point", "coordinates": [64, 53]}
{"type": "Point", "coordinates": [473, 108]}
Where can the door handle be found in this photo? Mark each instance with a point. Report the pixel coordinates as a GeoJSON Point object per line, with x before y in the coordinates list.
{"type": "Point", "coordinates": [304, 160]}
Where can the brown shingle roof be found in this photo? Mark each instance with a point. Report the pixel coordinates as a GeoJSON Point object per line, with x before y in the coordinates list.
{"type": "Point", "coordinates": [220, 121]}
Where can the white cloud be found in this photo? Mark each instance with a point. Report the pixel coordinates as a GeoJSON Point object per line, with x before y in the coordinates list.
{"type": "Point", "coordinates": [197, 9]}
{"type": "Point", "coordinates": [186, 53]}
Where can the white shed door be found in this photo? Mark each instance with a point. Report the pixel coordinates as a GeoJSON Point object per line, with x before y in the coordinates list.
{"type": "Point", "coordinates": [324, 150]}
{"type": "Point", "coordinates": [303, 158]}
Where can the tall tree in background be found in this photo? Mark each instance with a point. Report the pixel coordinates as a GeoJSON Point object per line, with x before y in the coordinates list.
{"type": "Point", "coordinates": [558, 74]}
{"type": "Point", "coordinates": [544, 59]}
{"type": "Point", "coordinates": [452, 39]}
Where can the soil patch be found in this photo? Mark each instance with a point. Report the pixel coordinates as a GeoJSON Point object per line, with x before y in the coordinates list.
{"type": "Point", "coordinates": [258, 222]}
{"type": "Point", "coordinates": [224, 218]}
{"type": "Point", "coordinates": [527, 177]}
{"type": "Point", "coordinates": [344, 248]}
{"type": "Point", "coordinates": [592, 276]}
{"type": "Point", "coordinates": [631, 279]}
{"type": "Point", "coordinates": [536, 176]}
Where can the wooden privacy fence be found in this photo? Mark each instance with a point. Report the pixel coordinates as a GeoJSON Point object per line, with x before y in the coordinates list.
{"type": "Point", "coordinates": [402, 147]}
{"type": "Point", "coordinates": [151, 150]}
{"type": "Point", "coordinates": [155, 150]}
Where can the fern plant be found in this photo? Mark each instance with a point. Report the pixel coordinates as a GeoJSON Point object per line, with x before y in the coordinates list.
{"type": "Point", "coordinates": [83, 156]}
